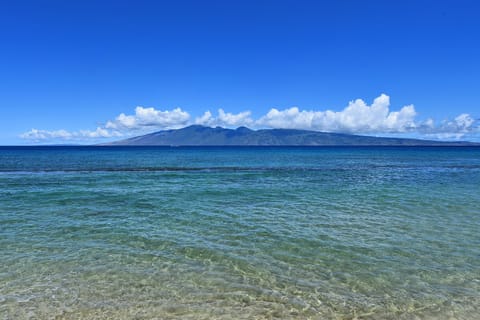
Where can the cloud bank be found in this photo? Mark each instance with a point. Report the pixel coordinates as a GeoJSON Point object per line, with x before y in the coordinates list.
{"type": "Point", "coordinates": [357, 118]}
{"type": "Point", "coordinates": [38, 135]}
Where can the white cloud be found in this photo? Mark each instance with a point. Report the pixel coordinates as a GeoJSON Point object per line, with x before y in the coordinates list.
{"type": "Point", "coordinates": [98, 133]}
{"type": "Point", "coordinates": [357, 117]}
{"type": "Point", "coordinates": [35, 134]}
{"type": "Point", "coordinates": [236, 120]}
{"type": "Point", "coordinates": [122, 125]}
{"type": "Point", "coordinates": [457, 128]}
{"type": "Point", "coordinates": [38, 135]}
{"type": "Point", "coordinates": [226, 119]}
{"type": "Point", "coordinates": [148, 118]}
{"type": "Point", "coordinates": [206, 119]}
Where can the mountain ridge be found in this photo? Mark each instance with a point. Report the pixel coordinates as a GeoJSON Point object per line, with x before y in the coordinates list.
{"type": "Point", "coordinates": [198, 135]}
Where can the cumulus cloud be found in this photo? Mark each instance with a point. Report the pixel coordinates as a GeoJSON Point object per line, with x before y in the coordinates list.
{"type": "Point", "coordinates": [150, 117]}
{"type": "Point", "coordinates": [123, 125]}
{"type": "Point", "coordinates": [457, 128]}
{"type": "Point", "coordinates": [206, 119]}
{"type": "Point", "coordinates": [230, 119]}
{"type": "Point", "coordinates": [226, 119]}
{"type": "Point", "coordinates": [357, 117]}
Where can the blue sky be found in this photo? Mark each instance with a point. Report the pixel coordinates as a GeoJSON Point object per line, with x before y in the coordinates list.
{"type": "Point", "coordinates": [69, 70]}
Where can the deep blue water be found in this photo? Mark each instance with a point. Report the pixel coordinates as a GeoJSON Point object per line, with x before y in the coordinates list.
{"type": "Point", "coordinates": [240, 232]}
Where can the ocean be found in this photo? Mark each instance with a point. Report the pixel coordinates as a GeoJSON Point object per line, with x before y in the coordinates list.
{"type": "Point", "coordinates": [239, 233]}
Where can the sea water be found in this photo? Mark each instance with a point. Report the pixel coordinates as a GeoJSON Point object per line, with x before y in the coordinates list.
{"type": "Point", "coordinates": [239, 233]}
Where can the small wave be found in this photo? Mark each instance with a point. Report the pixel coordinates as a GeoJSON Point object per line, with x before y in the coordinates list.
{"type": "Point", "coordinates": [229, 169]}
{"type": "Point", "coordinates": [153, 169]}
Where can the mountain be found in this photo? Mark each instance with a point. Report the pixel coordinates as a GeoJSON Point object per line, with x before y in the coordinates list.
{"type": "Point", "coordinates": [197, 135]}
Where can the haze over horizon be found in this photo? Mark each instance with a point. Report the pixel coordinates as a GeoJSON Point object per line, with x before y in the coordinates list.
{"type": "Point", "coordinates": [96, 72]}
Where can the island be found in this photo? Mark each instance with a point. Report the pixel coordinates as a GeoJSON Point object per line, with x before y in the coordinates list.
{"type": "Point", "coordinates": [197, 135]}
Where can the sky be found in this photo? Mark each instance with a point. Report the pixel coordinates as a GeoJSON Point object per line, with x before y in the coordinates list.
{"type": "Point", "coordinates": [95, 71]}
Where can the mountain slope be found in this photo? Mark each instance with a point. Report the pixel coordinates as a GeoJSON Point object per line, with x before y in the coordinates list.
{"type": "Point", "coordinates": [196, 135]}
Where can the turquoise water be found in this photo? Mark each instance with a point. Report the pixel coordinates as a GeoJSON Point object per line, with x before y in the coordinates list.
{"type": "Point", "coordinates": [239, 233]}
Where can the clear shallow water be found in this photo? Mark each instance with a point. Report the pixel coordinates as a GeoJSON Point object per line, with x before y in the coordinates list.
{"type": "Point", "coordinates": [239, 233]}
